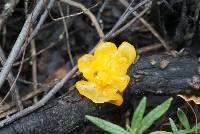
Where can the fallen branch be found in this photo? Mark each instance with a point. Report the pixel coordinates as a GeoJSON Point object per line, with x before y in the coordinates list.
{"type": "Point", "coordinates": [66, 114]}
{"type": "Point", "coordinates": [15, 91]}
{"type": "Point", "coordinates": [88, 13]}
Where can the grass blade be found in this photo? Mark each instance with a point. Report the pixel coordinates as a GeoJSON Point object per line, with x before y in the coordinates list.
{"type": "Point", "coordinates": [183, 132]}
{"type": "Point", "coordinates": [161, 132]}
{"type": "Point", "coordinates": [107, 126]}
{"type": "Point", "coordinates": [195, 128]}
{"type": "Point", "coordinates": [183, 119]}
{"type": "Point", "coordinates": [154, 115]}
{"type": "Point", "coordinates": [173, 126]}
{"type": "Point", "coordinates": [138, 115]}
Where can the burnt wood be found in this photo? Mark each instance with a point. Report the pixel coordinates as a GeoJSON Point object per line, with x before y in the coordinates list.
{"type": "Point", "coordinates": [157, 74]}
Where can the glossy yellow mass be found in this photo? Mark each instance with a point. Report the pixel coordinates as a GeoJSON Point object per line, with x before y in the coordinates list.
{"type": "Point", "coordinates": [106, 72]}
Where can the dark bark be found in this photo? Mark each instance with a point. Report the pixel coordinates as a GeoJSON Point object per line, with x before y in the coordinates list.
{"type": "Point", "coordinates": [177, 77]}
{"type": "Point", "coordinates": [65, 114]}
{"type": "Point", "coordinates": [62, 115]}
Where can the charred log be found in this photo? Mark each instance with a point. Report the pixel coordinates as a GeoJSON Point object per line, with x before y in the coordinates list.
{"type": "Point", "coordinates": [158, 74]}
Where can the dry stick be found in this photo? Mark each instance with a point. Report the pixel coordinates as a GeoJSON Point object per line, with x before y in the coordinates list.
{"type": "Point", "coordinates": [41, 21]}
{"type": "Point", "coordinates": [59, 85]}
{"type": "Point", "coordinates": [34, 67]}
{"type": "Point", "coordinates": [37, 28]}
{"type": "Point", "coordinates": [44, 88]}
{"type": "Point", "coordinates": [128, 11]}
{"type": "Point", "coordinates": [101, 10]}
{"type": "Point", "coordinates": [87, 12]}
{"type": "Point", "coordinates": [41, 51]}
{"type": "Point", "coordinates": [129, 23]}
{"type": "Point", "coordinates": [34, 58]}
{"type": "Point", "coordinates": [3, 115]}
{"type": "Point", "coordinates": [38, 53]}
{"type": "Point", "coordinates": [71, 15]}
{"type": "Point", "coordinates": [7, 108]}
{"type": "Point", "coordinates": [19, 42]}
{"type": "Point", "coordinates": [155, 33]}
{"type": "Point", "coordinates": [148, 26]}
{"type": "Point", "coordinates": [15, 92]}
{"type": "Point", "coordinates": [4, 108]}
{"type": "Point", "coordinates": [15, 80]}
{"type": "Point", "coordinates": [149, 48]}
{"type": "Point", "coordinates": [66, 34]}
{"type": "Point", "coordinates": [32, 83]}
{"type": "Point", "coordinates": [4, 32]}
{"type": "Point", "coordinates": [26, 6]}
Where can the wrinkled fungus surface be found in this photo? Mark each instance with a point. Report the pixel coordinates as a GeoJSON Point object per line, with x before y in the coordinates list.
{"type": "Point", "coordinates": [106, 72]}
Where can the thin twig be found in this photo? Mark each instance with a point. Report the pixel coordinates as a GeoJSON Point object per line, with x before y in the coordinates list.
{"type": "Point", "coordinates": [14, 80]}
{"type": "Point", "coordinates": [149, 48]}
{"type": "Point", "coordinates": [32, 83]}
{"type": "Point", "coordinates": [4, 32]}
{"type": "Point", "coordinates": [148, 26]}
{"type": "Point", "coordinates": [129, 23]}
{"type": "Point", "coordinates": [127, 12]}
{"type": "Point", "coordinates": [15, 92]}
{"type": "Point", "coordinates": [66, 34]}
{"type": "Point", "coordinates": [5, 108]}
{"type": "Point", "coordinates": [19, 42]}
{"type": "Point", "coordinates": [34, 67]}
{"type": "Point", "coordinates": [40, 103]}
{"type": "Point", "coordinates": [39, 52]}
{"type": "Point", "coordinates": [37, 28]}
{"type": "Point", "coordinates": [34, 58]}
{"type": "Point", "coordinates": [26, 7]}
{"type": "Point", "coordinates": [87, 12]}
{"type": "Point", "coordinates": [101, 11]}
{"type": "Point", "coordinates": [155, 33]}
{"type": "Point", "coordinates": [71, 15]}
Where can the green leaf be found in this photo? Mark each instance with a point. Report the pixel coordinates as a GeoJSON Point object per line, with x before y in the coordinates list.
{"type": "Point", "coordinates": [183, 119]}
{"type": "Point", "coordinates": [195, 128]}
{"type": "Point", "coordinates": [173, 126]}
{"type": "Point", "coordinates": [183, 131]}
{"type": "Point", "coordinates": [154, 115]}
{"type": "Point", "coordinates": [138, 115]}
{"type": "Point", "coordinates": [107, 126]}
{"type": "Point", "coordinates": [161, 132]}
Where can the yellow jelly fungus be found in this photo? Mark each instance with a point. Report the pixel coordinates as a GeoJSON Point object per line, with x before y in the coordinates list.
{"type": "Point", "coordinates": [106, 72]}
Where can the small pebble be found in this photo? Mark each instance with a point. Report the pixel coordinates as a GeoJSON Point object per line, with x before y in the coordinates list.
{"type": "Point", "coordinates": [164, 64]}
{"type": "Point", "coordinates": [153, 62]}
